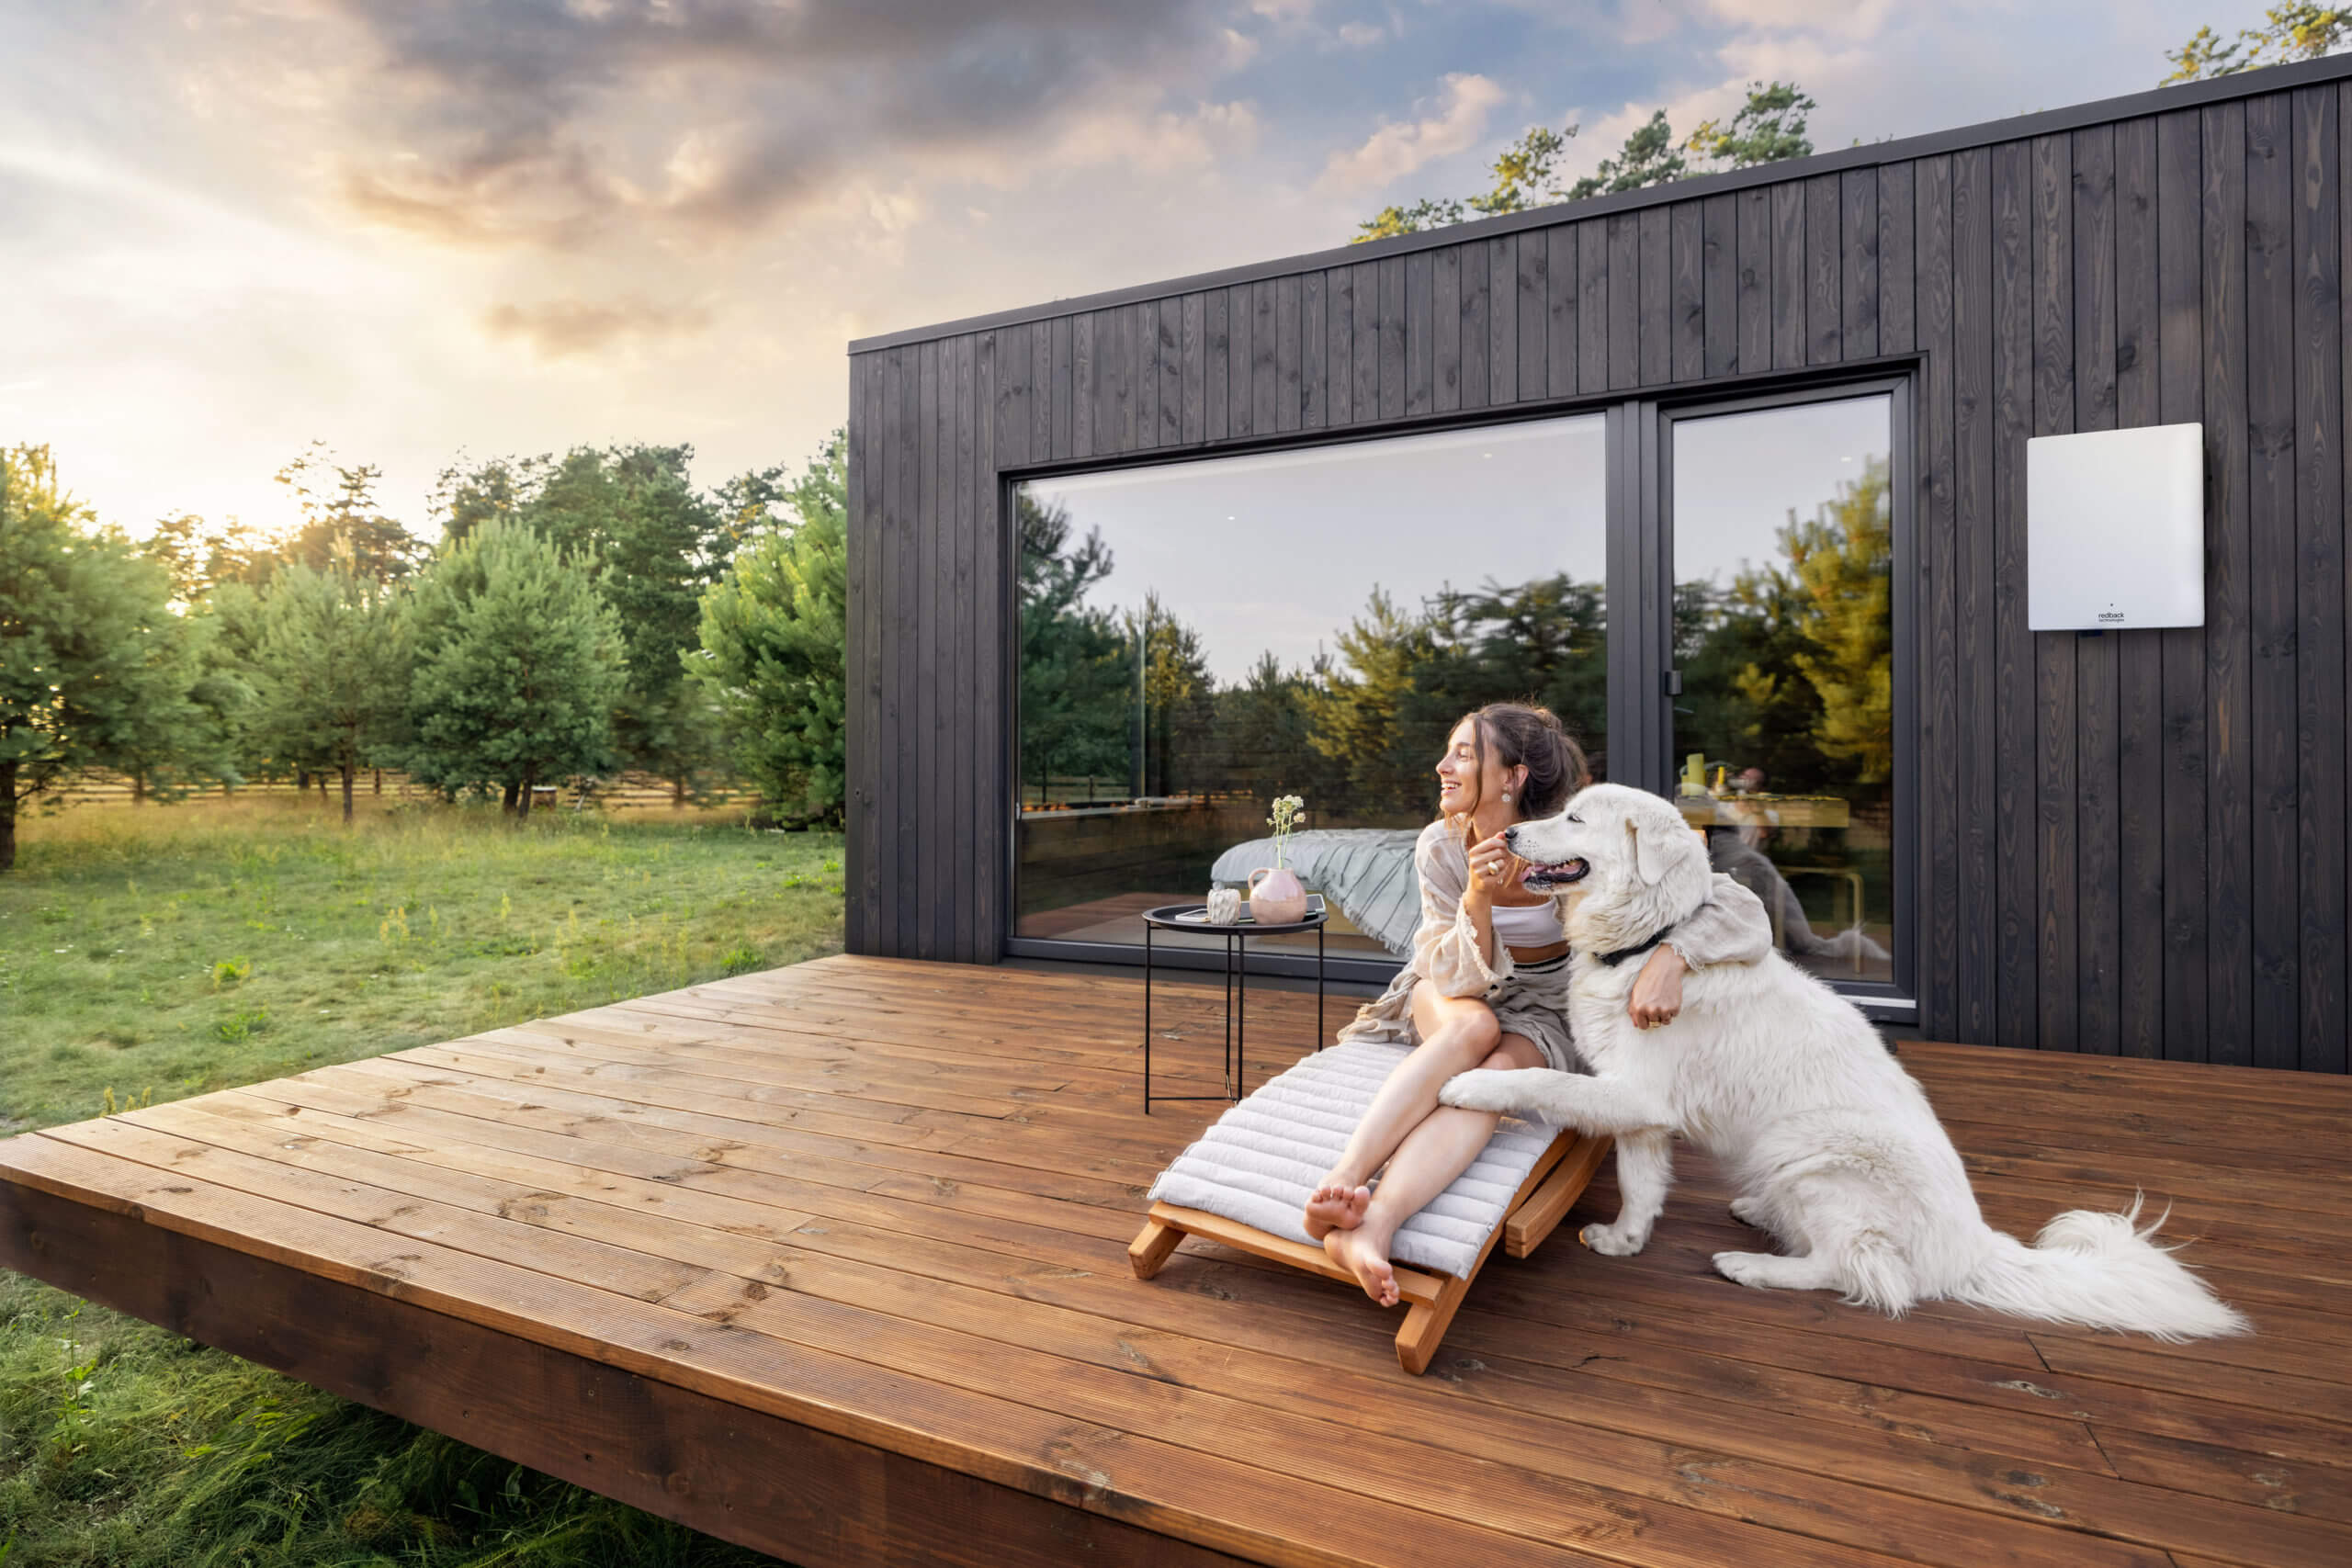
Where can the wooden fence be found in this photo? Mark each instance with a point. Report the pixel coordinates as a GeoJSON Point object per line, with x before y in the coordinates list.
{"type": "Point", "coordinates": [623, 792]}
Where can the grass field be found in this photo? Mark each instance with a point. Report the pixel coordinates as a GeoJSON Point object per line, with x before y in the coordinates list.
{"type": "Point", "coordinates": [155, 953]}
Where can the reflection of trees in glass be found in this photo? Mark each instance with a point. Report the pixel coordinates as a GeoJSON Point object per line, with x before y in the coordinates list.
{"type": "Point", "coordinates": [1266, 728]}
{"type": "Point", "coordinates": [1410, 678]}
{"type": "Point", "coordinates": [1077, 668]}
{"type": "Point", "coordinates": [1356, 733]}
{"type": "Point", "coordinates": [1180, 708]}
{"type": "Point", "coordinates": [1354, 711]}
{"type": "Point", "coordinates": [1791, 669]}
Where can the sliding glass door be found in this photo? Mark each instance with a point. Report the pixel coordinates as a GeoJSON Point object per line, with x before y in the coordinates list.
{"type": "Point", "coordinates": [1783, 733]}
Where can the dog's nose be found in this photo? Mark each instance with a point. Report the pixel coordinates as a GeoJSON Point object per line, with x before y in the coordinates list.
{"type": "Point", "coordinates": [1510, 838]}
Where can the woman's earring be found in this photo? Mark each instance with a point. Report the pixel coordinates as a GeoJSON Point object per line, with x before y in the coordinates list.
{"type": "Point", "coordinates": [1506, 794]}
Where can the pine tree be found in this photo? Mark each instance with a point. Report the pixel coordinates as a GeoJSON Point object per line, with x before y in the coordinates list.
{"type": "Point", "coordinates": [95, 671]}
{"type": "Point", "coordinates": [518, 664]}
{"type": "Point", "coordinates": [1769, 127]}
{"type": "Point", "coordinates": [1522, 170]}
{"type": "Point", "coordinates": [2294, 31]}
{"type": "Point", "coordinates": [1650, 157]}
{"type": "Point", "coordinates": [340, 523]}
{"type": "Point", "coordinates": [331, 669]}
{"type": "Point", "coordinates": [654, 545]}
{"type": "Point", "coordinates": [774, 638]}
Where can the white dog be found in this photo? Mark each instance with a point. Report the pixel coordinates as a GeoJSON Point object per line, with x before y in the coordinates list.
{"type": "Point", "coordinates": [1831, 1146]}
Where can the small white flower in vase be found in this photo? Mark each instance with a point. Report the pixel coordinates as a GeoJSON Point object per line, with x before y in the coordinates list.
{"type": "Point", "coordinates": [1275, 896]}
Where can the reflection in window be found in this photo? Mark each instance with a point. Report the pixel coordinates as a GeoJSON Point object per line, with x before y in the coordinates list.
{"type": "Point", "coordinates": [1197, 639]}
{"type": "Point", "coordinates": [1784, 634]}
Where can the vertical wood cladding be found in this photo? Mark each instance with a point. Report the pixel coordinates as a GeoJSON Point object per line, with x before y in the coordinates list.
{"type": "Point", "coordinates": [2134, 843]}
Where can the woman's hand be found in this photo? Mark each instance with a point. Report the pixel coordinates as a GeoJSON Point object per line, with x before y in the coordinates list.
{"type": "Point", "coordinates": [1492, 869]}
{"type": "Point", "coordinates": [1658, 990]}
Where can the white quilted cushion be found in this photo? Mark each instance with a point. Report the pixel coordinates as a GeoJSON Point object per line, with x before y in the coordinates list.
{"type": "Point", "coordinates": [1262, 1158]}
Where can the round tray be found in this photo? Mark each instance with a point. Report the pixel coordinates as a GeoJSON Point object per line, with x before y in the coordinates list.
{"type": "Point", "coordinates": [1195, 918]}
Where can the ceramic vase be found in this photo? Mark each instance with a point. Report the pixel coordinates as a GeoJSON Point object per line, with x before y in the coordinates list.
{"type": "Point", "coordinates": [1225, 905]}
{"type": "Point", "coordinates": [1275, 896]}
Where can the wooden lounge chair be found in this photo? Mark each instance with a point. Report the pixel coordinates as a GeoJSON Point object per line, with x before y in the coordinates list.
{"type": "Point", "coordinates": [1553, 1184]}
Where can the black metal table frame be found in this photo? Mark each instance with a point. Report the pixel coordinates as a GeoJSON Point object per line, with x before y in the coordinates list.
{"type": "Point", "coordinates": [1237, 990]}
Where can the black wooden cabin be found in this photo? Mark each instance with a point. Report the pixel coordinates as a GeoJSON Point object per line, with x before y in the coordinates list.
{"type": "Point", "coordinates": [2132, 842]}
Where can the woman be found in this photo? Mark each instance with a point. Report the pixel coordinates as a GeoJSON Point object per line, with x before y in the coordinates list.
{"type": "Point", "coordinates": [1488, 985]}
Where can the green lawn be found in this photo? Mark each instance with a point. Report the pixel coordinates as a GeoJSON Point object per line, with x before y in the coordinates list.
{"type": "Point", "coordinates": [163, 952]}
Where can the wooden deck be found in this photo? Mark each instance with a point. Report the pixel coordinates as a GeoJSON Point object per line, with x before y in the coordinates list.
{"type": "Point", "coordinates": [831, 1261]}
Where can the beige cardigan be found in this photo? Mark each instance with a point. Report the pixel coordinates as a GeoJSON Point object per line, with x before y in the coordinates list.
{"type": "Point", "coordinates": [1730, 927]}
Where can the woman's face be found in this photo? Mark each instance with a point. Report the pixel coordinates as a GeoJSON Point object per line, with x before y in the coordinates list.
{"type": "Point", "coordinates": [1462, 784]}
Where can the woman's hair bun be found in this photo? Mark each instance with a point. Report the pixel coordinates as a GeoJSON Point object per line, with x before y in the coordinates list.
{"type": "Point", "coordinates": [1524, 734]}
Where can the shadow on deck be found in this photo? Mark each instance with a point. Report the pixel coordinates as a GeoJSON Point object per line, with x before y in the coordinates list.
{"type": "Point", "coordinates": [832, 1261]}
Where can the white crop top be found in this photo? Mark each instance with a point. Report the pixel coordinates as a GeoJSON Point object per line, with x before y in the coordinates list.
{"type": "Point", "coordinates": [1527, 925]}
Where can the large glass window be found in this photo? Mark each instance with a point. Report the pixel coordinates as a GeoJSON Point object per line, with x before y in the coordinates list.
{"type": "Point", "coordinates": [1199, 638]}
{"type": "Point", "coordinates": [1783, 730]}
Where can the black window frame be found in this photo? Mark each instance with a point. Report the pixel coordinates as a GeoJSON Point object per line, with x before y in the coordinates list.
{"type": "Point", "coordinates": [1638, 545]}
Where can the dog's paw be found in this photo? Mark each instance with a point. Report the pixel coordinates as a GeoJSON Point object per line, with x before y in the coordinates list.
{"type": "Point", "coordinates": [1749, 1211]}
{"type": "Point", "coordinates": [1747, 1269]}
{"type": "Point", "coordinates": [1482, 1088]}
{"type": "Point", "coordinates": [1614, 1242]}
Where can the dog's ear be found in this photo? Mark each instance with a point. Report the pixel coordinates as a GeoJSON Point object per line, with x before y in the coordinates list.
{"type": "Point", "coordinates": [1650, 852]}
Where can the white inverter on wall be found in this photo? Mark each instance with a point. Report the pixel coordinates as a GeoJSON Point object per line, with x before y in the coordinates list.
{"type": "Point", "coordinates": [2115, 529]}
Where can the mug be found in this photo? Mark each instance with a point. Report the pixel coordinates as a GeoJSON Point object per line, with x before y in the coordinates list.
{"type": "Point", "coordinates": [1225, 905]}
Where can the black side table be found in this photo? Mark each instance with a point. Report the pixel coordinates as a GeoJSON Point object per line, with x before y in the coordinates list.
{"type": "Point", "coordinates": [1194, 918]}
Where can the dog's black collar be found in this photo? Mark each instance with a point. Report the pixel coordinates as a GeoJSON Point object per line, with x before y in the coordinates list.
{"type": "Point", "coordinates": [1623, 953]}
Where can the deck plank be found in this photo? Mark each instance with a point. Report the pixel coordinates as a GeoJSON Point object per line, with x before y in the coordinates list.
{"type": "Point", "coordinates": [736, 1273]}
{"type": "Point", "coordinates": [1299, 1335]}
{"type": "Point", "coordinates": [886, 1202]}
{"type": "Point", "coordinates": [1031, 1448]}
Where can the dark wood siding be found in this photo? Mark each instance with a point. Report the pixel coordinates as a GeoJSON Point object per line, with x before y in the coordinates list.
{"type": "Point", "coordinates": [1939, 907]}
{"type": "Point", "coordinates": [2139, 659]}
{"type": "Point", "coordinates": [2319, 642]}
{"type": "Point", "coordinates": [2180, 288]}
{"type": "Point", "coordinates": [2228, 879]}
{"type": "Point", "coordinates": [1958, 191]}
{"type": "Point", "coordinates": [2134, 844]}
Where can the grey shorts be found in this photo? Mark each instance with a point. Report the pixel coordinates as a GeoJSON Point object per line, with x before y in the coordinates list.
{"type": "Point", "coordinates": [1531, 1003]}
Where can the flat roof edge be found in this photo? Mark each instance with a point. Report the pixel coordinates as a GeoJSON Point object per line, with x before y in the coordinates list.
{"type": "Point", "coordinates": [1988, 133]}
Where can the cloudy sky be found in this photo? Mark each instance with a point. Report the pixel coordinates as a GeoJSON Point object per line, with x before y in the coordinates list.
{"type": "Point", "coordinates": [414, 229]}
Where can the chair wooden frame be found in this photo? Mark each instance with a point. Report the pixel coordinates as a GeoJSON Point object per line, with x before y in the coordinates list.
{"type": "Point", "coordinates": [1554, 1184]}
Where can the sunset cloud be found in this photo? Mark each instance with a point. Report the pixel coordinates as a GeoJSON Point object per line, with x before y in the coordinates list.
{"type": "Point", "coordinates": [516, 123]}
{"type": "Point", "coordinates": [1455, 122]}
{"type": "Point", "coordinates": [409, 226]}
{"type": "Point", "coordinates": [560, 329]}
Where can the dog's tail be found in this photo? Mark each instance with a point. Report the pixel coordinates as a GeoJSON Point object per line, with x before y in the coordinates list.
{"type": "Point", "coordinates": [2102, 1271]}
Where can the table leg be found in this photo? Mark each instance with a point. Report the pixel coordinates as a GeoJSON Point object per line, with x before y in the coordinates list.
{"type": "Point", "coordinates": [1319, 1035]}
{"type": "Point", "coordinates": [1147, 1018]}
{"type": "Point", "coordinates": [1224, 1059]}
{"type": "Point", "coordinates": [1240, 1022]}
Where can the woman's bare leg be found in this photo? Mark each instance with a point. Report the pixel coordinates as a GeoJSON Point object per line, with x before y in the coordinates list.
{"type": "Point", "coordinates": [1436, 1151]}
{"type": "Point", "coordinates": [1456, 1034]}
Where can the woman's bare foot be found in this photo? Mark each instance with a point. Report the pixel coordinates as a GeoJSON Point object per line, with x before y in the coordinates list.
{"type": "Point", "coordinates": [1365, 1256]}
{"type": "Point", "coordinates": [1335, 1206]}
